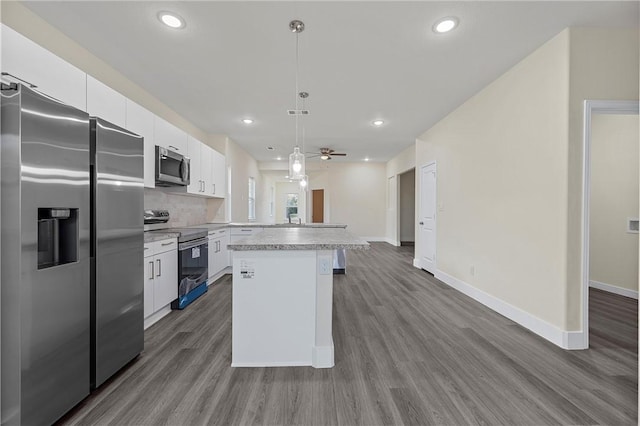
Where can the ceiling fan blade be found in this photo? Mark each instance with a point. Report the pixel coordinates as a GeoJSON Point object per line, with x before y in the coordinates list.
{"type": "Point", "coordinates": [339, 153]}
{"type": "Point", "coordinates": [315, 155]}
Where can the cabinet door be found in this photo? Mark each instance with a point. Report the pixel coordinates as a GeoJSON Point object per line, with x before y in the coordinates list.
{"type": "Point", "coordinates": [52, 75]}
{"type": "Point", "coordinates": [148, 286]}
{"type": "Point", "coordinates": [218, 174]}
{"type": "Point", "coordinates": [225, 251]}
{"type": "Point", "coordinates": [212, 257]}
{"type": "Point", "coordinates": [195, 185]}
{"type": "Point", "coordinates": [205, 169]}
{"type": "Point", "coordinates": [218, 262]}
{"type": "Point", "coordinates": [106, 103]}
{"type": "Point", "coordinates": [169, 136]}
{"type": "Point", "coordinates": [166, 278]}
{"type": "Point", "coordinates": [140, 121]}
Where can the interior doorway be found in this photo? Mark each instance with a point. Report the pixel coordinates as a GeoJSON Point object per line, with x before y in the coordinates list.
{"type": "Point", "coordinates": [610, 202]}
{"type": "Point", "coordinates": [317, 203]}
{"type": "Point", "coordinates": [407, 208]}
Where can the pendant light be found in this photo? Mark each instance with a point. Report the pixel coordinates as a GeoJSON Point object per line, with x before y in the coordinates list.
{"type": "Point", "coordinates": [296, 158]}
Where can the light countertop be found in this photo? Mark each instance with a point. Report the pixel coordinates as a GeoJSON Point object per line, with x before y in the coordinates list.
{"type": "Point", "coordinates": [151, 236]}
{"type": "Point", "coordinates": [300, 238]}
{"type": "Point", "coordinates": [213, 226]}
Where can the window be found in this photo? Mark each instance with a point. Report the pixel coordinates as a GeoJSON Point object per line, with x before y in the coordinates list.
{"type": "Point", "coordinates": [252, 198]}
{"type": "Point", "coordinates": [291, 209]}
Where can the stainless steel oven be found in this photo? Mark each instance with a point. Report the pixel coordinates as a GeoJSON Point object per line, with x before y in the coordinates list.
{"type": "Point", "coordinates": [193, 270]}
{"type": "Point", "coordinates": [172, 169]}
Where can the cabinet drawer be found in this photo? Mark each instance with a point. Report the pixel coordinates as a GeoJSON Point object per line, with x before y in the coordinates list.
{"type": "Point", "coordinates": [157, 247]}
{"type": "Point", "coordinates": [217, 233]}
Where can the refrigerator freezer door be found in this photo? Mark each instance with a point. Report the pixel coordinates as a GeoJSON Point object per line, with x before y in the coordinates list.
{"type": "Point", "coordinates": [117, 290]}
{"type": "Point", "coordinates": [45, 312]}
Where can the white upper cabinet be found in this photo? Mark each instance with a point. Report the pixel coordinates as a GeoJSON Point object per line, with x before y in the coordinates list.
{"type": "Point", "coordinates": [140, 121]}
{"type": "Point", "coordinates": [196, 185]}
{"type": "Point", "coordinates": [205, 168]}
{"type": "Point", "coordinates": [106, 103]}
{"type": "Point", "coordinates": [169, 136]}
{"type": "Point", "coordinates": [34, 64]}
{"type": "Point", "coordinates": [217, 187]}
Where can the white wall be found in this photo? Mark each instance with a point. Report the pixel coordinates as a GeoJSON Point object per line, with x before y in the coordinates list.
{"type": "Point", "coordinates": [614, 198]}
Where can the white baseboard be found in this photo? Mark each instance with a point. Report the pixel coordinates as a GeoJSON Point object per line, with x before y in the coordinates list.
{"type": "Point", "coordinates": [212, 279]}
{"type": "Point", "coordinates": [416, 264]}
{"type": "Point", "coordinates": [614, 289]}
{"type": "Point", "coordinates": [561, 338]}
{"type": "Point", "coordinates": [376, 239]}
{"type": "Point", "coordinates": [157, 316]}
{"type": "Point", "coordinates": [271, 364]}
{"type": "Point", "coordinates": [322, 357]}
{"type": "Point", "coordinates": [392, 242]}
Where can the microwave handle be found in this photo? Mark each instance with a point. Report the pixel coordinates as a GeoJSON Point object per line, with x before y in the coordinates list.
{"type": "Point", "coordinates": [184, 169]}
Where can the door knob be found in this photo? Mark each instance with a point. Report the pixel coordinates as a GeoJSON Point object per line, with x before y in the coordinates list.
{"type": "Point", "coordinates": [421, 223]}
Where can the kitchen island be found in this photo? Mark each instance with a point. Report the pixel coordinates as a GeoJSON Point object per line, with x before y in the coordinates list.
{"type": "Point", "coordinates": [283, 296]}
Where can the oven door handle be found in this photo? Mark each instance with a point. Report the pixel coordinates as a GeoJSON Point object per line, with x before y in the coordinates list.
{"type": "Point", "coordinates": [191, 244]}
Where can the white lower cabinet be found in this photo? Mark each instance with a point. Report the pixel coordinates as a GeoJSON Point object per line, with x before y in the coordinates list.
{"type": "Point", "coordinates": [218, 253]}
{"type": "Point", "coordinates": [160, 277]}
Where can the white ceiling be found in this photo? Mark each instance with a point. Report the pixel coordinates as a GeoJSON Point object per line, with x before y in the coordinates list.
{"type": "Point", "coordinates": [358, 60]}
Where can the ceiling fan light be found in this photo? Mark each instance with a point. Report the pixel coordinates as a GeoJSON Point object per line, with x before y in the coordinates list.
{"type": "Point", "coordinates": [324, 157]}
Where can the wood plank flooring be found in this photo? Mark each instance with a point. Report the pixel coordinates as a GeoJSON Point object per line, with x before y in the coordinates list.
{"type": "Point", "coordinates": [409, 350]}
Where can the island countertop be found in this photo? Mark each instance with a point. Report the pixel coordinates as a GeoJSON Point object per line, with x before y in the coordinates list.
{"type": "Point", "coordinates": [300, 238]}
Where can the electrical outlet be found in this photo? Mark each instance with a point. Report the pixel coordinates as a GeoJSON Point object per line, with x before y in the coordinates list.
{"type": "Point", "coordinates": [324, 265]}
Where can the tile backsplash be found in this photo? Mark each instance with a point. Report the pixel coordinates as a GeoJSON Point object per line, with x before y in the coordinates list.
{"type": "Point", "coordinates": [184, 210]}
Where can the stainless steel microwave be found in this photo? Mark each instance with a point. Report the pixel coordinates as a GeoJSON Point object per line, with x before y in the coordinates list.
{"type": "Point", "coordinates": [172, 169]}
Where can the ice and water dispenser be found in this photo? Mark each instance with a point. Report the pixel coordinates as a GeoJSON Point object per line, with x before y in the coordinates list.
{"type": "Point", "coordinates": [57, 236]}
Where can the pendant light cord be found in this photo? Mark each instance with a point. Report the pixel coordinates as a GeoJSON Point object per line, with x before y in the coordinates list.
{"type": "Point", "coordinates": [296, 94]}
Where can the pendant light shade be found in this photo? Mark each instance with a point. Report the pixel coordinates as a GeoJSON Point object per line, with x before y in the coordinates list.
{"type": "Point", "coordinates": [296, 164]}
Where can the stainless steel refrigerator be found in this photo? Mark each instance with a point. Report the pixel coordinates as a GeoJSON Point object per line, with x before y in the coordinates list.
{"type": "Point", "coordinates": [117, 246]}
{"type": "Point", "coordinates": [47, 248]}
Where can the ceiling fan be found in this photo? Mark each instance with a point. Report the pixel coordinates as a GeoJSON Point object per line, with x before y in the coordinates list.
{"type": "Point", "coordinates": [327, 153]}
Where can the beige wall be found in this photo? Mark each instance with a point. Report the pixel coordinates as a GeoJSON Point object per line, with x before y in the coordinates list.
{"type": "Point", "coordinates": [604, 65]}
{"type": "Point", "coordinates": [614, 199]}
{"type": "Point", "coordinates": [501, 185]}
{"type": "Point", "coordinates": [402, 162]}
{"type": "Point", "coordinates": [354, 193]}
{"type": "Point", "coordinates": [407, 205]}
{"type": "Point", "coordinates": [510, 173]}
{"type": "Point", "coordinates": [242, 166]}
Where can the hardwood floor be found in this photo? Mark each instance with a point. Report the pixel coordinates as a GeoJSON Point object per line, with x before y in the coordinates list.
{"type": "Point", "coordinates": [409, 350]}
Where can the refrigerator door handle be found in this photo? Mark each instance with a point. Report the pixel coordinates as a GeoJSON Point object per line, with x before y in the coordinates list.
{"type": "Point", "coordinates": [159, 262]}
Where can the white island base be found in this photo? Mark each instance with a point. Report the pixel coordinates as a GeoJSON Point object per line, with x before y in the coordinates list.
{"type": "Point", "coordinates": [282, 306]}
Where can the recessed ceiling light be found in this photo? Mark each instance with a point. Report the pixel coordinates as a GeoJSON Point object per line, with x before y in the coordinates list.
{"type": "Point", "coordinates": [278, 158]}
{"type": "Point", "coordinates": [247, 120]}
{"type": "Point", "coordinates": [445, 25]}
{"type": "Point", "coordinates": [366, 159]}
{"type": "Point", "coordinates": [172, 20]}
{"type": "Point", "coordinates": [378, 122]}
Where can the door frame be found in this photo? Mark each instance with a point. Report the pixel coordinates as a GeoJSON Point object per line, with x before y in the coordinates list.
{"type": "Point", "coordinates": [593, 107]}
{"type": "Point", "coordinates": [435, 227]}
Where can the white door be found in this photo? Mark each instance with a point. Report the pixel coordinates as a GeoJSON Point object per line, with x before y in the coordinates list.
{"type": "Point", "coordinates": [427, 221]}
